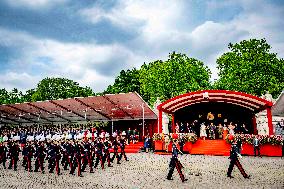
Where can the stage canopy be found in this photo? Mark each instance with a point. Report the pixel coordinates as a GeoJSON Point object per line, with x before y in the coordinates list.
{"type": "Point", "coordinates": [253, 103]}
{"type": "Point", "coordinates": [237, 102]}
{"type": "Point", "coordinates": [278, 107]}
{"type": "Point", "coordinates": [110, 107]}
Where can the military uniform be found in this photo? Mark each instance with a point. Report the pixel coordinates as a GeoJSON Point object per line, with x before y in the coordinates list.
{"type": "Point", "coordinates": [99, 154]}
{"type": "Point", "coordinates": [29, 156]}
{"type": "Point", "coordinates": [39, 157]}
{"type": "Point", "coordinates": [87, 157]}
{"type": "Point", "coordinates": [235, 161]}
{"type": "Point", "coordinates": [14, 151]}
{"type": "Point", "coordinates": [54, 158]}
{"type": "Point", "coordinates": [122, 147]}
{"type": "Point", "coordinates": [69, 155]}
{"type": "Point", "coordinates": [3, 154]}
{"type": "Point", "coordinates": [175, 163]}
{"type": "Point", "coordinates": [107, 145]}
{"type": "Point", "coordinates": [64, 159]}
{"type": "Point", "coordinates": [115, 151]}
{"type": "Point", "coordinates": [77, 159]}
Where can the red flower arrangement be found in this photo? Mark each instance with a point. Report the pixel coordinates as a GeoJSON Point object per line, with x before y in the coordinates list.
{"type": "Point", "coordinates": [263, 139]}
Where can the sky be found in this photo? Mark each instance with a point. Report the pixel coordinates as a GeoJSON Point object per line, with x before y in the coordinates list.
{"type": "Point", "coordinates": [91, 41]}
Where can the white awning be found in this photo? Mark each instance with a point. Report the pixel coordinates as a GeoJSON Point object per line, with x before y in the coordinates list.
{"type": "Point", "coordinates": [278, 107]}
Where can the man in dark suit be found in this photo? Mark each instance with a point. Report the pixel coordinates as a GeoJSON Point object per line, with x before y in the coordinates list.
{"type": "Point", "coordinates": [256, 144]}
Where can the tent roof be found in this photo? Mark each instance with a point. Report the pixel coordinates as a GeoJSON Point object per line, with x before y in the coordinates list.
{"type": "Point", "coordinates": [253, 103]}
{"type": "Point", "coordinates": [123, 106]}
{"type": "Point", "coordinates": [278, 107]}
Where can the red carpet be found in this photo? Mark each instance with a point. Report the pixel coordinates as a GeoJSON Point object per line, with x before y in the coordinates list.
{"type": "Point", "coordinates": [131, 148]}
{"type": "Point", "coordinates": [211, 147]}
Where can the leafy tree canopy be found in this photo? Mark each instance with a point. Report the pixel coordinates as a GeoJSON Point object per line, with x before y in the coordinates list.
{"type": "Point", "coordinates": [11, 97]}
{"type": "Point", "coordinates": [177, 75]}
{"type": "Point", "coordinates": [47, 89]}
{"type": "Point", "coordinates": [250, 67]}
{"type": "Point", "coordinates": [165, 79]}
{"type": "Point", "coordinates": [59, 88]}
{"type": "Point", "coordinates": [127, 81]}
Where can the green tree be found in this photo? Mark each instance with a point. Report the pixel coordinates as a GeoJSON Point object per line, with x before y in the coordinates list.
{"type": "Point", "coordinates": [59, 88]}
{"type": "Point", "coordinates": [28, 96]}
{"type": "Point", "coordinates": [127, 81]}
{"type": "Point", "coordinates": [250, 67]}
{"type": "Point", "coordinates": [4, 96]}
{"type": "Point", "coordinates": [10, 97]}
{"type": "Point", "coordinates": [177, 75]}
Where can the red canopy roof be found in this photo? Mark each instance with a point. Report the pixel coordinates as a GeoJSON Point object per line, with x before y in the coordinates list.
{"type": "Point", "coordinates": [123, 106]}
{"type": "Point", "coordinates": [253, 103]}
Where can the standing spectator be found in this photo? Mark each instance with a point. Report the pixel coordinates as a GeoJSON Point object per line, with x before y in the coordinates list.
{"type": "Point", "coordinates": [177, 128]}
{"type": "Point", "coordinates": [244, 129]}
{"type": "Point", "coordinates": [167, 142]}
{"type": "Point", "coordinates": [256, 146]}
{"type": "Point", "coordinates": [282, 149]}
{"type": "Point", "coordinates": [220, 131]}
{"type": "Point", "coordinates": [225, 131]}
{"type": "Point", "coordinates": [147, 143]}
{"type": "Point", "coordinates": [189, 128]}
{"type": "Point", "coordinates": [212, 131]}
{"type": "Point", "coordinates": [128, 135]}
{"type": "Point", "coordinates": [231, 128]}
{"type": "Point", "coordinates": [203, 131]}
{"type": "Point", "coordinates": [136, 135]}
{"type": "Point", "coordinates": [181, 128]}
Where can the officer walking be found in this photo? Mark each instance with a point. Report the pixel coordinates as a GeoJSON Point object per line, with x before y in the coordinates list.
{"type": "Point", "coordinates": [174, 162]}
{"type": "Point", "coordinates": [234, 155]}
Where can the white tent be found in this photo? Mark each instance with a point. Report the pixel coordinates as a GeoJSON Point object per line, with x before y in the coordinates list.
{"type": "Point", "coordinates": [278, 107]}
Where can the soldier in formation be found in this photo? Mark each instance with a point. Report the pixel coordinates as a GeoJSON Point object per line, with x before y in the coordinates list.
{"type": "Point", "coordinates": [69, 152]}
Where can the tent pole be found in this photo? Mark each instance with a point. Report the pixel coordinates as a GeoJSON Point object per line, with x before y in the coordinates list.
{"type": "Point", "coordinates": [143, 119]}
{"type": "Point", "coordinates": [111, 127]}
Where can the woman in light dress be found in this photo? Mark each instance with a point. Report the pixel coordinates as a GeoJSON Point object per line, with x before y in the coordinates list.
{"type": "Point", "coordinates": [203, 131]}
{"type": "Point", "coordinates": [231, 129]}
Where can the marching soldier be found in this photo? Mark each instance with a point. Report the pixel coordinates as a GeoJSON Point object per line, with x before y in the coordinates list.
{"type": "Point", "coordinates": [54, 157]}
{"type": "Point", "coordinates": [77, 159]}
{"type": "Point", "coordinates": [14, 151]}
{"type": "Point", "coordinates": [107, 145]}
{"type": "Point", "coordinates": [3, 154]}
{"type": "Point", "coordinates": [29, 156]}
{"type": "Point", "coordinates": [64, 160]}
{"type": "Point", "coordinates": [39, 157]}
{"type": "Point", "coordinates": [25, 155]}
{"type": "Point", "coordinates": [115, 150]}
{"type": "Point", "coordinates": [70, 155]}
{"type": "Point", "coordinates": [234, 155]}
{"type": "Point", "coordinates": [174, 162]}
{"type": "Point", "coordinates": [122, 147]}
{"type": "Point", "coordinates": [99, 153]}
{"type": "Point", "coordinates": [87, 157]}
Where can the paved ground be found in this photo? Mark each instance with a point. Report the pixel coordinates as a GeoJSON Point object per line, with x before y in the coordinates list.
{"type": "Point", "coordinates": [150, 170]}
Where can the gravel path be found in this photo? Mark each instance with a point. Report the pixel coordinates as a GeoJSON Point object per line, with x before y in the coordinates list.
{"type": "Point", "coordinates": [150, 170]}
